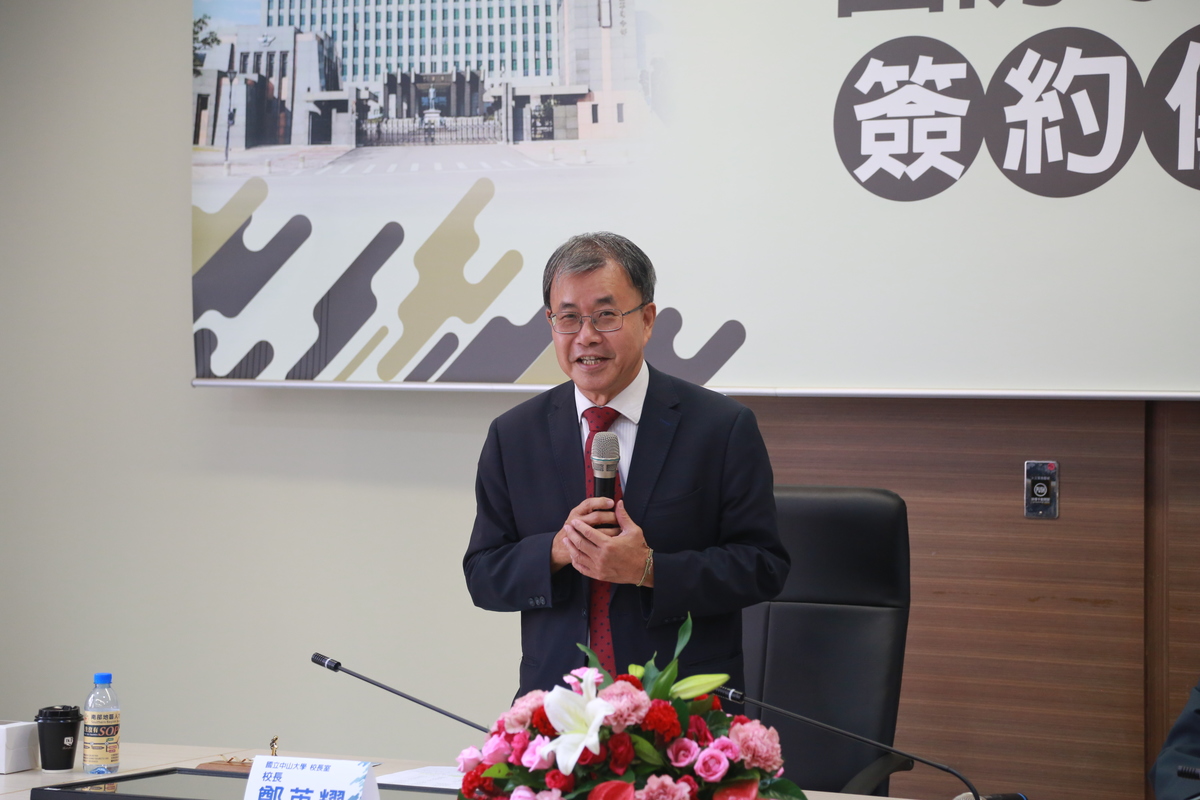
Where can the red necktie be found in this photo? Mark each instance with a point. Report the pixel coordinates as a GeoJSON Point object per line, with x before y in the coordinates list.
{"type": "Point", "coordinates": [600, 418]}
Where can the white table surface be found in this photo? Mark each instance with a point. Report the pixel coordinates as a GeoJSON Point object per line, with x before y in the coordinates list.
{"type": "Point", "coordinates": [143, 757]}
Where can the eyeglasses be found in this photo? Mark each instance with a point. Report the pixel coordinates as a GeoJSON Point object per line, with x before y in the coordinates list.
{"type": "Point", "coordinates": [606, 320]}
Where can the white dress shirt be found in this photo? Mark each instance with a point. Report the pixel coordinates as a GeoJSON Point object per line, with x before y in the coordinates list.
{"type": "Point", "coordinates": [629, 404]}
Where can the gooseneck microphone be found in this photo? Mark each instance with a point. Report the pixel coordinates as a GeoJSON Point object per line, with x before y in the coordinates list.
{"type": "Point", "coordinates": [737, 696]}
{"type": "Point", "coordinates": [333, 665]}
{"type": "Point", "coordinates": [606, 458]}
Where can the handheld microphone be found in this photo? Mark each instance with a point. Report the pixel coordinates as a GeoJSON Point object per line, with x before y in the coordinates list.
{"type": "Point", "coordinates": [606, 458]}
{"type": "Point", "coordinates": [333, 665]}
{"type": "Point", "coordinates": [1184, 771]}
{"type": "Point", "coordinates": [737, 696]}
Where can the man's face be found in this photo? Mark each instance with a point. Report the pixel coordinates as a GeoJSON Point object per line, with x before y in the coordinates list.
{"type": "Point", "coordinates": [600, 364]}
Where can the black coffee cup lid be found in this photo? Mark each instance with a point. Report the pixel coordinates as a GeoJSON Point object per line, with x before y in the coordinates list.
{"type": "Point", "coordinates": [58, 714]}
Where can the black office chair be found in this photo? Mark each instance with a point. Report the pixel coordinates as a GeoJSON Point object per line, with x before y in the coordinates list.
{"type": "Point", "coordinates": [831, 645]}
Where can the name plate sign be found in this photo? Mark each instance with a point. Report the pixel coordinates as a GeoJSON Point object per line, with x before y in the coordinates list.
{"type": "Point", "coordinates": [287, 778]}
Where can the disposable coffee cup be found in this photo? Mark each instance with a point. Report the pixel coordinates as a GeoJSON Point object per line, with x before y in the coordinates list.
{"type": "Point", "coordinates": [58, 735]}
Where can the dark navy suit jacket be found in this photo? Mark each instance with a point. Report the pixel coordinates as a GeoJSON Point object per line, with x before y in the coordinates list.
{"type": "Point", "coordinates": [700, 486]}
{"type": "Point", "coordinates": [1182, 748]}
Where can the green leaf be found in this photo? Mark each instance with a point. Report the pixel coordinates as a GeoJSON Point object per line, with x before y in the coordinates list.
{"type": "Point", "coordinates": [594, 662]}
{"type": "Point", "coordinates": [646, 751]}
{"type": "Point", "coordinates": [685, 634]}
{"type": "Point", "coordinates": [497, 771]}
{"type": "Point", "coordinates": [649, 672]}
{"type": "Point", "coordinates": [780, 789]}
{"type": "Point", "coordinates": [643, 770]}
{"type": "Point", "coordinates": [661, 688]}
{"type": "Point", "coordinates": [681, 711]}
{"type": "Point", "coordinates": [718, 723]}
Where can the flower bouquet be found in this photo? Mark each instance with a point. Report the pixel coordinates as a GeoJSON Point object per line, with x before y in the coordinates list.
{"type": "Point", "coordinates": [639, 736]}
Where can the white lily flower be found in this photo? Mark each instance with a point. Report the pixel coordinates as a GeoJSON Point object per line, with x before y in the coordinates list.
{"type": "Point", "coordinates": [577, 718]}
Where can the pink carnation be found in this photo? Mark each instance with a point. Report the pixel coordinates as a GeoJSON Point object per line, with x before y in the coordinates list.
{"type": "Point", "coordinates": [523, 793]}
{"type": "Point", "coordinates": [518, 743]}
{"type": "Point", "coordinates": [682, 752]}
{"type": "Point", "coordinates": [661, 787]}
{"type": "Point", "coordinates": [516, 719]}
{"type": "Point", "coordinates": [759, 745]}
{"type": "Point", "coordinates": [469, 759]}
{"type": "Point", "coordinates": [496, 750]}
{"type": "Point", "coordinates": [711, 765]}
{"type": "Point", "coordinates": [728, 747]}
{"type": "Point", "coordinates": [550, 794]}
{"type": "Point", "coordinates": [629, 703]}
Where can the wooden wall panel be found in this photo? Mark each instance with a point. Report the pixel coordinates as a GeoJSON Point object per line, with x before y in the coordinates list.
{"type": "Point", "coordinates": [1180, 434]}
{"type": "Point", "coordinates": [1025, 661]}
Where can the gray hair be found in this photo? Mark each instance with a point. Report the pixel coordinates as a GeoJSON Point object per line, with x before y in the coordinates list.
{"type": "Point", "coordinates": [591, 251]}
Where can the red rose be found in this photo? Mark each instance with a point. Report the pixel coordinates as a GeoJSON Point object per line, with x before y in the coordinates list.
{"type": "Point", "coordinates": [620, 746]}
{"type": "Point", "coordinates": [541, 723]}
{"type": "Point", "coordinates": [611, 790]}
{"type": "Point", "coordinates": [556, 780]}
{"type": "Point", "coordinates": [740, 719]}
{"type": "Point", "coordinates": [716, 701]}
{"type": "Point", "coordinates": [587, 757]}
{"type": "Point", "coordinates": [738, 790]}
{"type": "Point", "coordinates": [631, 679]}
{"type": "Point", "coordinates": [690, 782]}
{"type": "Point", "coordinates": [662, 720]}
{"type": "Point", "coordinates": [698, 731]}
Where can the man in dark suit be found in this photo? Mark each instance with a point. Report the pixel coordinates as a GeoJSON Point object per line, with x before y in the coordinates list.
{"type": "Point", "coordinates": [694, 531]}
{"type": "Point", "coordinates": [1181, 749]}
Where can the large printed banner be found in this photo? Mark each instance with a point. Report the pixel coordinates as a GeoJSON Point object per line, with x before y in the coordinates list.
{"type": "Point", "coordinates": [838, 195]}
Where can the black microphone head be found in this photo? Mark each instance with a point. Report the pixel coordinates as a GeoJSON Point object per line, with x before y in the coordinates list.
{"type": "Point", "coordinates": [605, 447]}
{"type": "Point", "coordinates": [326, 662]}
{"type": "Point", "coordinates": [1185, 771]}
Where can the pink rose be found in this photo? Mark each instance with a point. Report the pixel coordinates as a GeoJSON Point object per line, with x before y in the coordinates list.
{"type": "Point", "coordinates": [518, 743]}
{"type": "Point", "coordinates": [661, 787]}
{"type": "Point", "coordinates": [728, 747]}
{"type": "Point", "coordinates": [711, 765]}
{"type": "Point", "coordinates": [517, 718]}
{"type": "Point", "coordinates": [629, 703]}
{"type": "Point", "coordinates": [469, 759]}
{"type": "Point", "coordinates": [532, 758]}
{"type": "Point", "coordinates": [495, 750]}
{"type": "Point", "coordinates": [759, 745]}
{"type": "Point", "coordinates": [523, 793]}
{"type": "Point", "coordinates": [682, 752]}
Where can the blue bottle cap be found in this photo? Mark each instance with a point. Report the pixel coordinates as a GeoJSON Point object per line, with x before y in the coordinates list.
{"type": "Point", "coordinates": [103, 677]}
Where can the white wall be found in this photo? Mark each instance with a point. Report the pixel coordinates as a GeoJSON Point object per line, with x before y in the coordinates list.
{"type": "Point", "coordinates": [199, 543]}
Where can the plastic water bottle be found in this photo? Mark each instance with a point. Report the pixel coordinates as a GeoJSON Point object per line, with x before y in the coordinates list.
{"type": "Point", "coordinates": [102, 728]}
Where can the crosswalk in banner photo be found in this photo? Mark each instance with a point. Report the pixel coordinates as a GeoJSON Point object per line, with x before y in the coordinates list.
{"type": "Point", "coordinates": [898, 196]}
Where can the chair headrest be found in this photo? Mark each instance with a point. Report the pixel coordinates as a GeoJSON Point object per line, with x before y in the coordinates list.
{"type": "Point", "coordinates": [848, 545]}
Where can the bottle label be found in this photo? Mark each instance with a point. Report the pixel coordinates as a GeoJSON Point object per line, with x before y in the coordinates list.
{"type": "Point", "coordinates": [101, 738]}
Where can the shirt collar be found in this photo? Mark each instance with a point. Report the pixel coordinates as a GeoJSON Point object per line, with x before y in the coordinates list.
{"type": "Point", "coordinates": [628, 403]}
